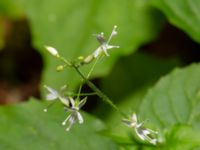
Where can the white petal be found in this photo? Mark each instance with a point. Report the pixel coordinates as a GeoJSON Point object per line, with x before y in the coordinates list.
{"type": "Point", "coordinates": [105, 51]}
{"type": "Point", "coordinates": [97, 52]}
{"type": "Point", "coordinates": [100, 49]}
{"type": "Point", "coordinates": [153, 141]}
{"type": "Point", "coordinates": [112, 46]}
{"type": "Point", "coordinates": [50, 97]}
{"type": "Point", "coordinates": [140, 134]}
{"type": "Point", "coordinates": [72, 102]}
{"type": "Point", "coordinates": [145, 132]}
{"type": "Point", "coordinates": [134, 118]}
{"type": "Point", "coordinates": [152, 131]}
{"type": "Point", "coordinates": [80, 118]}
{"type": "Point", "coordinates": [139, 125]}
{"type": "Point", "coordinates": [51, 90]}
{"type": "Point", "coordinates": [64, 100]}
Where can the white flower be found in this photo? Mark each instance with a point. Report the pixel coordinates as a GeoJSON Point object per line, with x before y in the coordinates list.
{"type": "Point", "coordinates": [52, 51]}
{"type": "Point", "coordinates": [72, 106]}
{"type": "Point", "coordinates": [144, 134]}
{"type": "Point", "coordinates": [104, 44]}
{"type": "Point", "coordinates": [75, 115]}
{"type": "Point", "coordinates": [53, 94]}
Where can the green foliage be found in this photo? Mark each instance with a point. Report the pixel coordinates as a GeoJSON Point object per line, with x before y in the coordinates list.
{"type": "Point", "coordinates": [171, 106]}
{"type": "Point", "coordinates": [185, 14]}
{"type": "Point", "coordinates": [27, 126]}
{"type": "Point", "coordinates": [135, 85]}
{"type": "Point", "coordinates": [174, 101]}
{"type": "Point", "coordinates": [68, 26]}
{"type": "Point", "coordinates": [10, 9]}
{"type": "Point", "coordinates": [182, 137]}
{"type": "Point", "coordinates": [135, 72]}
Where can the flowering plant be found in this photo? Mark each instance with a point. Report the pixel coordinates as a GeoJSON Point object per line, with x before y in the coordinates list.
{"type": "Point", "coordinates": [73, 106]}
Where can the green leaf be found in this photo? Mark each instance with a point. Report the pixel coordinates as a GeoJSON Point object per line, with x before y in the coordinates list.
{"type": "Point", "coordinates": [68, 26]}
{"type": "Point", "coordinates": [27, 126]}
{"type": "Point", "coordinates": [10, 9]}
{"type": "Point", "coordinates": [135, 72]}
{"type": "Point", "coordinates": [175, 100]}
{"type": "Point", "coordinates": [184, 14]}
{"type": "Point", "coordinates": [134, 75]}
{"type": "Point", "coordinates": [183, 137]}
{"type": "Point", "coordinates": [129, 79]}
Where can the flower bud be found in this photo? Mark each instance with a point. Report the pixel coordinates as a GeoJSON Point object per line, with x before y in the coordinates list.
{"type": "Point", "coordinates": [88, 59]}
{"type": "Point", "coordinates": [52, 51]}
{"type": "Point", "coordinates": [80, 58]}
{"type": "Point", "coordinates": [60, 68]}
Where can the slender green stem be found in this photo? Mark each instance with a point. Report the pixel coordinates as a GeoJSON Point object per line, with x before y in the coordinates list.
{"type": "Point", "coordinates": [90, 72]}
{"type": "Point", "coordinates": [79, 91]}
{"type": "Point", "coordinates": [93, 87]}
{"type": "Point", "coordinates": [65, 61]}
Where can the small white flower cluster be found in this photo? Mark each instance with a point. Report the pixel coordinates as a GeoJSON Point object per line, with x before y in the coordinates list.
{"type": "Point", "coordinates": [73, 106]}
{"type": "Point", "coordinates": [70, 105]}
{"type": "Point", "coordinates": [144, 134]}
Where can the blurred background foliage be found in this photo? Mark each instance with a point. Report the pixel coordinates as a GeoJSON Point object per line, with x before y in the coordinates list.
{"type": "Point", "coordinates": [155, 36]}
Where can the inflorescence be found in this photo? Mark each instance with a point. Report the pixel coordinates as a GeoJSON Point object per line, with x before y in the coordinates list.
{"type": "Point", "coordinates": [73, 105]}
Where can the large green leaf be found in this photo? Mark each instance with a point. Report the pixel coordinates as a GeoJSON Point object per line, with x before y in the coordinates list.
{"type": "Point", "coordinates": [134, 72]}
{"type": "Point", "coordinates": [69, 25]}
{"type": "Point", "coordinates": [11, 9]}
{"type": "Point", "coordinates": [131, 75]}
{"type": "Point", "coordinates": [25, 126]}
{"type": "Point", "coordinates": [185, 14]}
{"type": "Point", "coordinates": [175, 100]}
{"type": "Point", "coordinates": [134, 75]}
